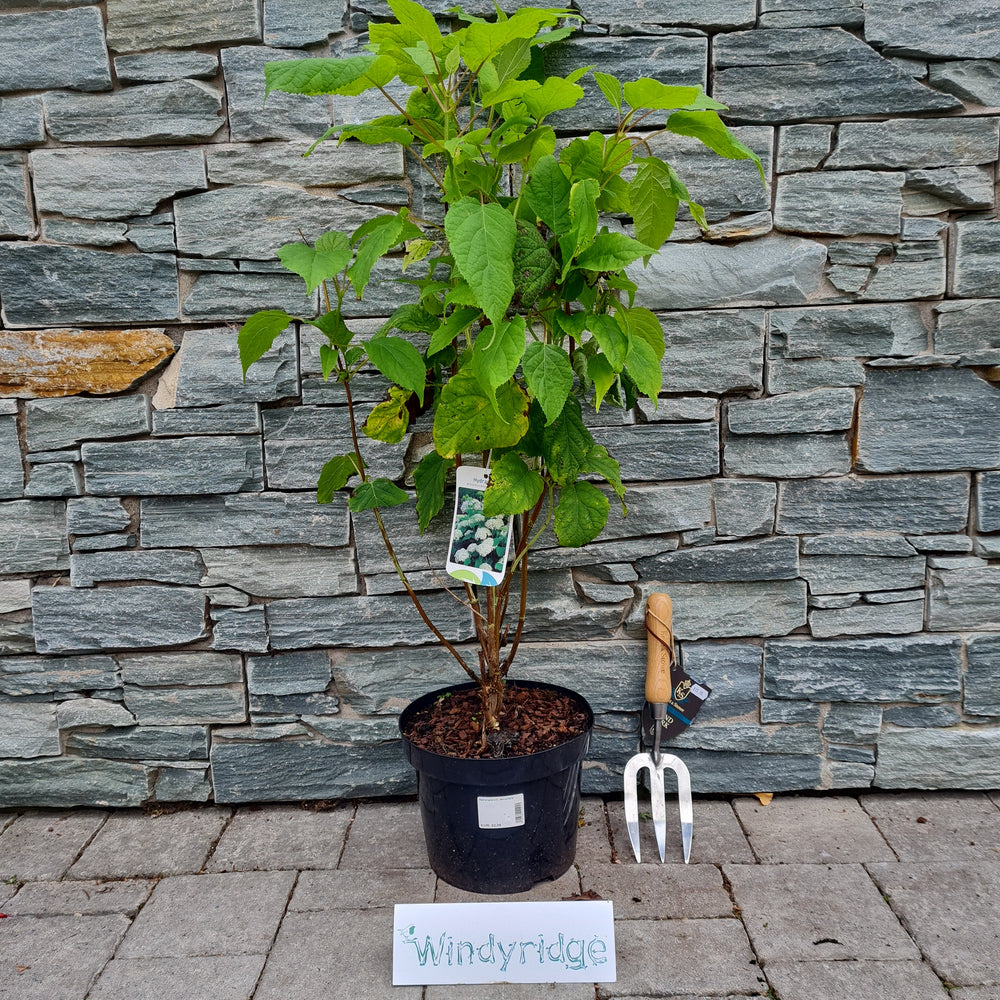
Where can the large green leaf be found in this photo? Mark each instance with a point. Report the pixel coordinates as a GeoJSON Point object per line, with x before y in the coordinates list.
{"type": "Point", "coordinates": [600, 372]}
{"type": "Point", "coordinates": [498, 351]}
{"type": "Point", "coordinates": [580, 514]}
{"type": "Point", "coordinates": [643, 323]}
{"type": "Point", "coordinates": [600, 461]}
{"type": "Point", "coordinates": [315, 76]}
{"type": "Point", "coordinates": [374, 493]}
{"type": "Point", "coordinates": [458, 321]}
{"type": "Point", "coordinates": [399, 361]}
{"type": "Point", "coordinates": [565, 444]}
{"type": "Point", "coordinates": [612, 251]}
{"type": "Point", "coordinates": [258, 333]}
{"type": "Point", "coordinates": [334, 476]}
{"type": "Point", "coordinates": [482, 241]}
{"type": "Point", "coordinates": [389, 420]}
{"type": "Point", "coordinates": [317, 264]}
{"type": "Point", "coordinates": [653, 202]}
{"type": "Point", "coordinates": [469, 420]}
{"type": "Point", "coordinates": [612, 340]}
{"type": "Point", "coordinates": [644, 367]}
{"type": "Point", "coordinates": [547, 194]}
{"type": "Point", "coordinates": [611, 88]}
{"type": "Point", "coordinates": [708, 128]}
{"type": "Point", "coordinates": [513, 488]}
{"type": "Point", "coordinates": [429, 479]}
{"type": "Point", "coordinates": [647, 93]}
{"type": "Point", "coordinates": [333, 326]}
{"type": "Point", "coordinates": [419, 20]}
{"type": "Point", "coordinates": [376, 238]}
{"type": "Point", "coordinates": [549, 375]}
{"type": "Point", "coordinates": [556, 94]}
{"type": "Point", "coordinates": [376, 135]}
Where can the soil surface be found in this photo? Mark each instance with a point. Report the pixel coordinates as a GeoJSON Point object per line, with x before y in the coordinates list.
{"type": "Point", "coordinates": [533, 719]}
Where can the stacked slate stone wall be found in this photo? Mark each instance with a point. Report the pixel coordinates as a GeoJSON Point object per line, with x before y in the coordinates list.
{"type": "Point", "coordinates": [818, 488]}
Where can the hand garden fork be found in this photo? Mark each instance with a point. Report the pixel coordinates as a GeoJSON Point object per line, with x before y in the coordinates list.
{"type": "Point", "coordinates": [659, 657]}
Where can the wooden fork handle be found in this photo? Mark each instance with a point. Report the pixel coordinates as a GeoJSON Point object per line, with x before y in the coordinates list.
{"type": "Point", "coordinates": [659, 648]}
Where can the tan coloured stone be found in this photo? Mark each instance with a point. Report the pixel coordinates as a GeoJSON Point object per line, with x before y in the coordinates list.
{"type": "Point", "coordinates": [63, 362]}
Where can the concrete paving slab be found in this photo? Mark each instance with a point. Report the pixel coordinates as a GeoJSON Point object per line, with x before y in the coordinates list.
{"type": "Point", "coordinates": [135, 843]}
{"type": "Point", "coordinates": [952, 911]}
{"type": "Point", "coordinates": [941, 825]}
{"type": "Point", "coordinates": [262, 838]}
{"type": "Point", "coordinates": [42, 958]}
{"type": "Point", "coordinates": [6, 818]}
{"type": "Point", "coordinates": [717, 835]}
{"type": "Point", "coordinates": [976, 993]}
{"type": "Point", "coordinates": [7, 890]}
{"type": "Point", "coordinates": [812, 829]}
{"type": "Point", "coordinates": [513, 991]}
{"type": "Point", "coordinates": [655, 891]}
{"type": "Point", "coordinates": [837, 980]}
{"type": "Point", "coordinates": [225, 914]}
{"type": "Point", "coordinates": [385, 830]}
{"type": "Point", "coordinates": [216, 977]}
{"type": "Point", "coordinates": [667, 957]}
{"type": "Point", "coordinates": [43, 899]}
{"type": "Point", "coordinates": [330, 954]}
{"type": "Point", "coordinates": [343, 890]}
{"type": "Point", "coordinates": [564, 887]}
{"type": "Point", "coordinates": [593, 842]}
{"type": "Point", "coordinates": [817, 913]}
{"type": "Point", "coordinates": [42, 845]}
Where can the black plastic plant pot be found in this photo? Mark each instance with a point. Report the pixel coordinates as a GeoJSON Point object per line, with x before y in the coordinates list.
{"type": "Point", "coordinates": [499, 825]}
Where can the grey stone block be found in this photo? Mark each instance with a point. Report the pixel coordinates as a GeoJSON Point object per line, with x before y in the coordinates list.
{"type": "Point", "coordinates": [964, 599]}
{"type": "Point", "coordinates": [881, 670]}
{"type": "Point", "coordinates": [54, 480]}
{"type": "Point", "coordinates": [912, 144]}
{"type": "Point", "coordinates": [89, 712]}
{"type": "Point", "coordinates": [915, 504]}
{"type": "Point", "coordinates": [232, 296]}
{"type": "Point", "coordinates": [717, 14]}
{"type": "Point", "coordinates": [69, 621]}
{"type": "Point", "coordinates": [861, 544]}
{"type": "Point", "coordinates": [181, 669]}
{"type": "Point", "coordinates": [15, 595]}
{"type": "Point", "coordinates": [136, 24]}
{"type": "Point", "coordinates": [829, 409]}
{"type": "Point", "coordinates": [839, 202]}
{"type": "Point", "coordinates": [16, 638]}
{"type": "Point", "coordinates": [967, 327]}
{"type": "Point", "coordinates": [227, 418]}
{"type": "Point", "coordinates": [976, 245]}
{"type": "Point", "coordinates": [53, 675]}
{"type": "Point", "coordinates": [787, 456]}
{"type": "Point", "coordinates": [88, 234]}
{"type": "Point", "coordinates": [160, 67]}
{"type": "Point", "coordinates": [776, 270]}
{"type": "Point", "coordinates": [59, 423]}
{"type": "Point", "coordinates": [744, 507]}
{"type": "Point", "coordinates": [299, 441]}
{"type": "Point", "coordinates": [282, 571]}
{"type": "Point", "coordinates": [937, 758]}
{"type": "Point", "coordinates": [847, 723]}
{"type": "Point", "coordinates": [310, 708]}
{"type": "Point", "coordinates": [113, 184]}
{"type": "Point", "coordinates": [794, 14]}
{"type": "Point", "coordinates": [848, 331]}
{"type": "Point", "coordinates": [290, 23]}
{"type": "Point", "coordinates": [152, 743]}
{"type": "Point", "coordinates": [814, 373]}
{"type": "Point", "coordinates": [21, 121]}
{"type": "Point", "coordinates": [911, 271]}
{"type": "Point", "coordinates": [928, 420]}
{"type": "Point", "coordinates": [988, 501]}
{"type": "Point", "coordinates": [175, 466]}
{"type": "Point", "coordinates": [728, 610]}
{"type": "Point", "coordinates": [11, 468]}
{"type": "Point", "coordinates": [956, 187]}
{"type": "Point", "coordinates": [663, 451]}
{"type": "Point", "coordinates": [974, 80]}
{"type": "Point", "coordinates": [182, 782]}
{"type": "Point", "coordinates": [770, 559]}
{"type": "Point", "coordinates": [845, 574]}
{"type": "Point", "coordinates": [243, 629]}
{"type": "Point", "coordinates": [760, 73]}
{"type": "Point", "coordinates": [922, 716]}
{"type": "Point", "coordinates": [48, 49]}
{"type": "Point", "coordinates": [102, 543]}
{"type": "Point", "coordinates": [16, 218]}
{"type": "Point", "coordinates": [286, 116]}
{"type": "Point", "coordinates": [967, 31]}
{"type": "Point", "coordinates": [177, 111]}
{"type": "Point", "coordinates": [179, 706]}
{"type": "Point", "coordinates": [64, 782]}
{"type": "Point", "coordinates": [252, 220]}
{"type": "Point", "coordinates": [803, 147]}
{"type": "Point", "coordinates": [289, 673]}
{"type": "Point", "coordinates": [359, 757]}
{"type": "Point", "coordinates": [28, 729]}
{"type": "Point", "coordinates": [742, 737]}
{"type": "Point", "coordinates": [45, 285]}
{"type": "Point", "coordinates": [35, 537]}
{"type": "Point", "coordinates": [251, 519]}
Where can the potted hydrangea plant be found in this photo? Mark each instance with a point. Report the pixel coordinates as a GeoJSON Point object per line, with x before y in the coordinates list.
{"type": "Point", "coordinates": [523, 320]}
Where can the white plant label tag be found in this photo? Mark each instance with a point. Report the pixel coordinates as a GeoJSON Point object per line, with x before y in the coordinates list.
{"type": "Point", "coordinates": [558, 942]}
{"type": "Point", "coordinates": [479, 545]}
{"type": "Point", "coordinates": [501, 811]}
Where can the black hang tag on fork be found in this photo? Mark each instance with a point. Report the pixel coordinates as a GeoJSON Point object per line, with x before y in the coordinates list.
{"type": "Point", "coordinates": [686, 698]}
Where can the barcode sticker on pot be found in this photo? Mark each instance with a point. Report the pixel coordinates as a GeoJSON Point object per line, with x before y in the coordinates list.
{"type": "Point", "coordinates": [501, 811]}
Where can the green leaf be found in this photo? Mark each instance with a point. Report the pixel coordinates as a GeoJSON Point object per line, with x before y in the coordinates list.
{"type": "Point", "coordinates": [653, 202]}
{"type": "Point", "coordinates": [584, 157]}
{"type": "Point", "coordinates": [547, 193]}
{"type": "Point", "coordinates": [598, 460]}
{"type": "Point", "coordinates": [549, 375]}
{"type": "Point", "coordinates": [399, 361]}
{"type": "Point", "coordinates": [468, 420]}
{"type": "Point", "coordinates": [565, 444]}
{"type": "Point", "coordinates": [412, 318]}
{"type": "Point", "coordinates": [413, 16]}
{"type": "Point", "coordinates": [458, 321]}
{"type": "Point", "coordinates": [258, 333]}
{"type": "Point", "coordinates": [376, 135]}
{"type": "Point", "coordinates": [375, 493]}
{"type": "Point", "coordinates": [315, 265]}
{"type": "Point", "coordinates": [555, 94]}
{"type": "Point", "coordinates": [708, 128]}
{"type": "Point", "coordinates": [389, 420]}
{"type": "Point", "coordinates": [429, 478]}
{"type": "Point", "coordinates": [376, 238]}
{"type": "Point", "coordinates": [315, 76]}
{"type": "Point", "coordinates": [583, 214]}
{"type": "Point", "coordinates": [600, 372]}
{"type": "Point", "coordinates": [643, 366]}
{"type": "Point", "coordinates": [537, 143]}
{"type": "Point", "coordinates": [497, 352]}
{"type": "Point", "coordinates": [643, 323]}
{"type": "Point", "coordinates": [612, 339]}
{"type": "Point", "coordinates": [647, 93]}
{"type": "Point", "coordinates": [333, 326]}
{"type": "Point", "coordinates": [334, 476]}
{"type": "Point", "coordinates": [513, 487]}
{"type": "Point", "coordinates": [482, 241]}
{"type": "Point", "coordinates": [610, 88]}
{"type": "Point", "coordinates": [580, 514]}
{"type": "Point", "coordinates": [327, 360]}
{"type": "Point", "coordinates": [612, 251]}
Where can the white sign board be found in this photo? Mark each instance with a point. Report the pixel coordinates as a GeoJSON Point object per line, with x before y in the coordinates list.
{"type": "Point", "coordinates": [566, 942]}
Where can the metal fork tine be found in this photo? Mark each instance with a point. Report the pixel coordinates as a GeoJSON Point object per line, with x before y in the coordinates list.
{"type": "Point", "coordinates": [631, 780]}
{"type": "Point", "coordinates": [659, 807]}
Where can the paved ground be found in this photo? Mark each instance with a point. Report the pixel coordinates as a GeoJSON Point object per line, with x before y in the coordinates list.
{"type": "Point", "coordinates": [882, 896]}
